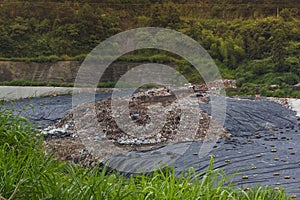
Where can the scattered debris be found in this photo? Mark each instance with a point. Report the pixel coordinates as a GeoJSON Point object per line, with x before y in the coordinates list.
{"type": "Point", "coordinates": [78, 124]}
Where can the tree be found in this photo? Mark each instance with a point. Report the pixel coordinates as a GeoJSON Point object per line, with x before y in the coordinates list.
{"type": "Point", "coordinates": [6, 43]}
{"type": "Point", "coordinates": [173, 18]}
{"type": "Point", "coordinates": [286, 15]}
{"type": "Point", "coordinates": [278, 51]}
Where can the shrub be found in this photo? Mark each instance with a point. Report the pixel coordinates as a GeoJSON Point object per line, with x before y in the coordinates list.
{"type": "Point", "coordinates": [106, 84]}
{"type": "Point", "coordinates": [259, 67]}
{"type": "Point", "coordinates": [290, 78]}
{"type": "Point", "coordinates": [279, 93]}
{"type": "Point", "coordinates": [160, 58]}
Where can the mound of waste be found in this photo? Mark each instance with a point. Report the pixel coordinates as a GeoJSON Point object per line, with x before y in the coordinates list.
{"type": "Point", "coordinates": [104, 138]}
{"type": "Point", "coordinates": [259, 139]}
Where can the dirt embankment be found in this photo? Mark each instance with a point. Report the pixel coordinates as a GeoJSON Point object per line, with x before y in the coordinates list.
{"type": "Point", "coordinates": [60, 72]}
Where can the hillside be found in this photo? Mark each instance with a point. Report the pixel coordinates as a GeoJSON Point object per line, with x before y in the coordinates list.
{"type": "Point", "coordinates": [255, 42]}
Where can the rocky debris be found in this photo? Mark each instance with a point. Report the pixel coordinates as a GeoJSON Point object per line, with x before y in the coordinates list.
{"type": "Point", "coordinates": [70, 149]}
{"type": "Point", "coordinates": [215, 86]}
{"type": "Point", "coordinates": [282, 101]}
{"type": "Point", "coordinates": [63, 128]}
{"type": "Point", "coordinates": [79, 125]}
{"type": "Point", "coordinates": [290, 103]}
{"type": "Point", "coordinates": [203, 91]}
{"type": "Point", "coordinates": [59, 132]}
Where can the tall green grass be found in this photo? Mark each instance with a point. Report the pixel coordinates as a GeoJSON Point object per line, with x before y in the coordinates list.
{"type": "Point", "coordinates": [44, 59]}
{"type": "Point", "coordinates": [35, 83]}
{"type": "Point", "coordinates": [27, 173]}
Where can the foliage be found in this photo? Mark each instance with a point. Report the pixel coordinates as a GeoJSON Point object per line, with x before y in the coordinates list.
{"type": "Point", "coordinates": [34, 83]}
{"type": "Point", "coordinates": [257, 44]}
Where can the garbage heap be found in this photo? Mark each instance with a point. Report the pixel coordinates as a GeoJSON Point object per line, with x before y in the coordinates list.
{"type": "Point", "coordinates": [139, 105]}
{"type": "Point", "coordinates": [95, 122]}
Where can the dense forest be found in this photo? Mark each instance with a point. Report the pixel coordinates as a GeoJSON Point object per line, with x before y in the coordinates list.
{"type": "Point", "coordinates": [253, 41]}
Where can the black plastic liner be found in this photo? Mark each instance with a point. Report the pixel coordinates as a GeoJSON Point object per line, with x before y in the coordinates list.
{"type": "Point", "coordinates": [264, 146]}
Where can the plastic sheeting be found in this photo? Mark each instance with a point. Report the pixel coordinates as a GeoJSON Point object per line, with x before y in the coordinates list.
{"type": "Point", "coordinates": [264, 146]}
{"type": "Point", "coordinates": [263, 149]}
{"type": "Point", "coordinates": [47, 110]}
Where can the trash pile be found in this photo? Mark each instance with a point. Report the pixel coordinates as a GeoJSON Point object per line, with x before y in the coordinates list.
{"type": "Point", "coordinates": [211, 88]}
{"type": "Point", "coordinates": [226, 83]}
{"type": "Point", "coordinates": [139, 105]}
{"type": "Point", "coordinates": [80, 125]}
{"type": "Point", "coordinates": [216, 85]}
{"type": "Point", "coordinates": [282, 101]}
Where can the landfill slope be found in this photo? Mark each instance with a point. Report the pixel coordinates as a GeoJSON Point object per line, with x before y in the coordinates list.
{"type": "Point", "coordinates": [263, 146]}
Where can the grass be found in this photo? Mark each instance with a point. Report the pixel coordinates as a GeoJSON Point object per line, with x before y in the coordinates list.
{"type": "Point", "coordinates": [52, 84]}
{"type": "Point", "coordinates": [283, 92]}
{"type": "Point", "coordinates": [109, 84]}
{"type": "Point", "coordinates": [34, 83]}
{"type": "Point", "coordinates": [27, 173]}
{"type": "Point", "coordinates": [43, 59]}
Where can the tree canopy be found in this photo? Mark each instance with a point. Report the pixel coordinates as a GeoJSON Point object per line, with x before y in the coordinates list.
{"type": "Point", "coordinates": [250, 37]}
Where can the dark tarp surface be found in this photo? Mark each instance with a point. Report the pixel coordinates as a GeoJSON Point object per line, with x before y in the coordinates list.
{"type": "Point", "coordinates": [264, 145]}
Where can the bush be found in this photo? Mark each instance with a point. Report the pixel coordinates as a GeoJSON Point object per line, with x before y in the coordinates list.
{"type": "Point", "coordinates": [260, 67]}
{"type": "Point", "coordinates": [266, 92]}
{"type": "Point", "coordinates": [279, 93]}
{"type": "Point", "coordinates": [35, 83]}
{"type": "Point", "coordinates": [295, 94]}
{"type": "Point", "coordinates": [290, 78]}
{"type": "Point", "coordinates": [106, 85]}
{"type": "Point", "coordinates": [160, 58]}
{"type": "Point", "coordinates": [133, 58]}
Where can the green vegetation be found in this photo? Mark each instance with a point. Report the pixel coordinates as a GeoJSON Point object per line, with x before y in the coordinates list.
{"type": "Point", "coordinates": [27, 173]}
{"type": "Point", "coordinates": [46, 59]}
{"type": "Point", "coordinates": [109, 84]}
{"type": "Point", "coordinates": [34, 83]}
{"type": "Point", "coordinates": [263, 90]}
{"type": "Point", "coordinates": [255, 42]}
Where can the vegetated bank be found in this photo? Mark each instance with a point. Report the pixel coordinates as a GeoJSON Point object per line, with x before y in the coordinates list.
{"type": "Point", "coordinates": [258, 46]}
{"type": "Point", "coordinates": [62, 73]}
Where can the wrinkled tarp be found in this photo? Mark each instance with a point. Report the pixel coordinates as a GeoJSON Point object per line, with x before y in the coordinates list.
{"type": "Point", "coordinates": [245, 116]}
{"type": "Point", "coordinates": [45, 111]}
{"type": "Point", "coordinates": [263, 146]}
